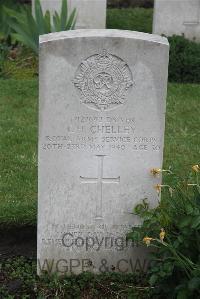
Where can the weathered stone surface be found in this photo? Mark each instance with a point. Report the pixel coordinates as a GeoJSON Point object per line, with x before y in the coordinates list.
{"type": "Point", "coordinates": [179, 17]}
{"type": "Point", "coordinates": [101, 130]}
{"type": "Point", "coordinates": [91, 14]}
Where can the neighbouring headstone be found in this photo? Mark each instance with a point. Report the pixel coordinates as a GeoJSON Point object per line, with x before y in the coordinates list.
{"type": "Point", "coordinates": [91, 14]}
{"type": "Point", "coordinates": [177, 17]}
{"type": "Point", "coordinates": [101, 130]}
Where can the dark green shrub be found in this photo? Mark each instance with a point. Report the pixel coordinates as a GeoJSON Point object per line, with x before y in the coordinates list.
{"type": "Point", "coordinates": [184, 62]}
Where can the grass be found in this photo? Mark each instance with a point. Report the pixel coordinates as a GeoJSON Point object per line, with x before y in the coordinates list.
{"type": "Point", "coordinates": [182, 143]}
{"type": "Point", "coordinates": [18, 147]}
{"type": "Point", "coordinates": [24, 65]}
{"type": "Point", "coordinates": [137, 19]}
{"type": "Point", "coordinates": [18, 151]}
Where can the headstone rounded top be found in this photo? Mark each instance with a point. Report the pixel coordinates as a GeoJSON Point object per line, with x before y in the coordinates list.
{"type": "Point", "coordinates": [103, 33]}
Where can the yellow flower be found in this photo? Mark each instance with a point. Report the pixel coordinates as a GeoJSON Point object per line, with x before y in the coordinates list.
{"type": "Point", "coordinates": [155, 171]}
{"type": "Point", "coordinates": [147, 240]}
{"type": "Point", "coordinates": [162, 234]}
{"type": "Point", "coordinates": [158, 187]}
{"type": "Point", "coordinates": [196, 168]}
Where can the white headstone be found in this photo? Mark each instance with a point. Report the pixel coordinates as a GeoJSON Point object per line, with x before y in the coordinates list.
{"type": "Point", "coordinates": [101, 130]}
{"type": "Point", "coordinates": [91, 14]}
{"type": "Point", "coordinates": [177, 17]}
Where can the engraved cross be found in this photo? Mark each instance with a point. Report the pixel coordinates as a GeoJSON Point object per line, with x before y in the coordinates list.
{"type": "Point", "coordinates": [99, 180]}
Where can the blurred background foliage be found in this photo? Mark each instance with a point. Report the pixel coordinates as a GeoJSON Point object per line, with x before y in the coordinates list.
{"type": "Point", "coordinates": [137, 15]}
{"type": "Point", "coordinates": [114, 3]}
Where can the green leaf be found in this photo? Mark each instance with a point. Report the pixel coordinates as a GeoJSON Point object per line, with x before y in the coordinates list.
{"type": "Point", "coordinates": [153, 279]}
{"type": "Point", "coordinates": [182, 294]}
{"type": "Point", "coordinates": [56, 21]}
{"type": "Point", "coordinates": [23, 36]}
{"type": "Point", "coordinates": [26, 42]}
{"type": "Point", "coordinates": [72, 20]}
{"type": "Point", "coordinates": [73, 24]}
{"type": "Point", "coordinates": [180, 239]}
{"type": "Point", "coordinates": [168, 267]}
{"type": "Point", "coordinates": [185, 221]}
{"type": "Point", "coordinates": [194, 283]}
{"type": "Point", "coordinates": [39, 18]}
{"type": "Point", "coordinates": [63, 16]}
{"type": "Point", "coordinates": [47, 22]}
{"type": "Point", "coordinates": [189, 208]}
{"type": "Point", "coordinates": [32, 24]}
{"type": "Point", "coordinates": [20, 16]}
{"type": "Point", "coordinates": [196, 222]}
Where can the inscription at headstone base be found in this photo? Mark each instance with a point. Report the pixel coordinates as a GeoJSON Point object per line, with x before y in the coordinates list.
{"type": "Point", "coordinates": [101, 131]}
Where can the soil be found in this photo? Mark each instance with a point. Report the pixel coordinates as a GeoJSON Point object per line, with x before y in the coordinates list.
{"type": "Point", "coordinates": [18, 242]}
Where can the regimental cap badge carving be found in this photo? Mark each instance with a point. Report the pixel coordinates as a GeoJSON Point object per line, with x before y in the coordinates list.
{"type": "Point", "coordinates": [103, 80]}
